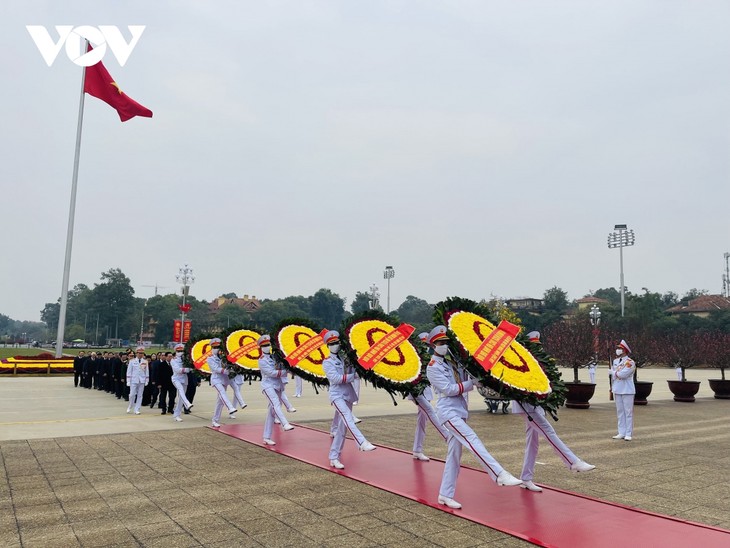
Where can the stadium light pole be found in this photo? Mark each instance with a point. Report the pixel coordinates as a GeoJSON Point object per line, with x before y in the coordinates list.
{"type": "Point", "coordinates": [621, 237]}
{"type": "Point", "coordinates": [389, 274]}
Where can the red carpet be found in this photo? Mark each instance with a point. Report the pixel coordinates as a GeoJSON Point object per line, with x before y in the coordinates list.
{"type": "Point", "coordinates": [551, 518]}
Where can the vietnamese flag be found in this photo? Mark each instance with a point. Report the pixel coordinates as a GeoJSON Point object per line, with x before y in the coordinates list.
{"type": "Point", "coordinates": [101, 85]}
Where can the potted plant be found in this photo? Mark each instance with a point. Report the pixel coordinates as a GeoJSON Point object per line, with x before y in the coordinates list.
{"type": "Point", "coordinates": [682, 350]}
{"type": "Point", "coordinates": [571, 343]}
{"type": "Point", "coordinates": [718, 356]}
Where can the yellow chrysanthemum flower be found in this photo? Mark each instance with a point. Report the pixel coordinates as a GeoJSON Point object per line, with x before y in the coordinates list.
{"type": "Point", "coordinates": [292, 337]}
{"type": "Point", "coordinates": [516, 368]}
{"type": "Point", "coordinates": [242, 348]}
{"type": "Point", "coordinates": [402, 364]}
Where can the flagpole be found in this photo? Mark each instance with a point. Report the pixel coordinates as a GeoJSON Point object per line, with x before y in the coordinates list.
{"type": "Point", "coordinates": [71, 214]}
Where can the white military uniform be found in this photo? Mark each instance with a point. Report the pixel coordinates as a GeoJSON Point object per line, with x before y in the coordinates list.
{"type": "Point", "coordinates": [236, 383]}
{"type": "Point", "coordinates": [138, 376]}
{"type": "Point", "coordinates": [622, 374]}
{"type": "Point", "coordinates": [592, 372]}
{"type": "Point", "coordinates": [341, 395]}
{"type": "Point", "coordinates": [426, 413]}
{"type": "Point", "coordinates": [219, 381]}
{"type": "Point", "coordinates": [298, 385]}
{"type": "Point", "coordinates": [533, 429]}
{"type": "Point", "coordinates": [180, 382]}
{"type": "Point", "coordinates": [272, 388]}
{"type": "Point", "coordinates": [450, 382]}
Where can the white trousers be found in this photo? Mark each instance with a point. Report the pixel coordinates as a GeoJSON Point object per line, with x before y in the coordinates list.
{"type": "Point", "coordinates": [625, 412]}
{"type": "Point", "coordinates": [181, 387]}
{"type": "Point", "coordinates": [221, 401]}
{"type": "Point", "coordinates": [592, 374]}
{"type": "Point", "coordinates": [274, 410]}
{"type": "Point", "coordinates": [426, 413]}
{"type": "Point", "coordinates": [539, 426]}
{"type": "Point", "coordinates": [464, 436]}
{"type": "Point", "coordinates": [285, 401]}
{"type": "Point", "coordinates": [135, 390]}
{"type": "Point", "coordinates": [237, 396]}
{"type": "Point", "coordinates": [342, 421]}
{"type": "Point", "coordinates": [298, 382]}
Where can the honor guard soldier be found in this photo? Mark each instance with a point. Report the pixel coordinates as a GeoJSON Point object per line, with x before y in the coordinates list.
{"type": "Point", "coordinates": [180, 382]}
{"type": "Point", "coordinates": [138, 376]}
{"type": "Point", "coordinates": [219, 381]}
{"type": "Point", "coordinates": [536, 424]}
{"type": "Point", "coordinates": [271, 387]}
{"type": "Point", "coordinates": [426, 413]}
{"type": "Point", "coordinates": [622, 377]}
{"type": "Point", "coordinates": [342, 395]}
{"type": "Point", "coordinates": [236, 383]}
{"type": "Point", "coordinates": [450, 382]}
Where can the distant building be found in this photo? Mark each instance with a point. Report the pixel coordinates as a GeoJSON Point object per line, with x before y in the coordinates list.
{"type": "Point", "coordinates": [250, 304]}
{"type": "Point", "coordinates": [588, 302]}
{"type": "Point", "coordinates": [525, 303]}
{"type": "Point", "coordinates": [702, 306]}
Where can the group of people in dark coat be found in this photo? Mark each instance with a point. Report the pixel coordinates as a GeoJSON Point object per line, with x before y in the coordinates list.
{"type": "Point", "coordinates": [107, 371]}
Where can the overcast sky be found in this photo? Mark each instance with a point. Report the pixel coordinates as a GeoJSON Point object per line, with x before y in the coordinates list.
{"type": "Point", "coordinates": [478, 147]}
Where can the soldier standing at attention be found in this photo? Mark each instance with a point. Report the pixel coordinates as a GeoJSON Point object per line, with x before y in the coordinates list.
{"type": "Point", "coordinates": [622, 376]}
{"type": "Point", "coordinates": [138, 376]}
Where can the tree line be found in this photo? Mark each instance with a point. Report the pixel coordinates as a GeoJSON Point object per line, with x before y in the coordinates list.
{"type": "Point", "coordinates": [110, 310]}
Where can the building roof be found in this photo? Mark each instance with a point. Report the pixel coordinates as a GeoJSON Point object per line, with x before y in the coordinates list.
{"type": "Point", "coordinates": [703, 303]}
{"type": "Point", "coordinates": [591, 300]}
{"type": "Point", "coordinates": [249, 303]}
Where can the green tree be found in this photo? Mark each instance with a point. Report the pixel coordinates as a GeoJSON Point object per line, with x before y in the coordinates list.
{"type": "Point", "coordinates": [328, 308]}
{"type": "Point", "coordinates": [361, 302]}
{"type": "Point", "coordinates": [609, 294]}
{"type": "Point", "coordinates": [232, 314]}
{"type": "Point", "coordinates": [112, 302]}
{"type": "Point", "coordinates": [163, 311]}
{"type": "Point", "coordinates": [272, 312]}
{"type": "Point", "coordinates": [555, 300]}
{"type": "Point", "coordinates": [74, 331]}
{"type": "Point", "coordinates": [415, 311]}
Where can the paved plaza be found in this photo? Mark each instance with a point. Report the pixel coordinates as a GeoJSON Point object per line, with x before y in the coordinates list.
{"type": "Point", "coordinates": [78, 471]}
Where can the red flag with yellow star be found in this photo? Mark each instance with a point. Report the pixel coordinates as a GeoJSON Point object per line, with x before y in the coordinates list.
{"type": "Point", "coordinates": [101, 85]}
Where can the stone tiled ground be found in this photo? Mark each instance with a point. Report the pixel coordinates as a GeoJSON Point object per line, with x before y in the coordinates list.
{"type": "Point", "coordinates": [196, 487]}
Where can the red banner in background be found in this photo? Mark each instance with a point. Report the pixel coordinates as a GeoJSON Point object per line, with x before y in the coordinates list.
{"type": "Point", "coordinates": [177, 326]}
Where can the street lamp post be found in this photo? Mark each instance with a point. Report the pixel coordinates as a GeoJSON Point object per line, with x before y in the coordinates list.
{"type": "Point", "coordinates": [141, 325]}
{"type": "Point", "coordinates": [595, 315]}
{"type": "Point", "coordinates": [388, 274]}
{"type": "Point", "coordinates": [184, 277]}
{"type": "Point", "coordinates": [621, 237]}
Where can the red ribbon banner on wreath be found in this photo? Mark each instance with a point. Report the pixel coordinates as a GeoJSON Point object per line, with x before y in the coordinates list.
{"type": "Point", "coordinates": [242, 351]}
{"type": "Point", "coordinates": [375, 354]}
{"type": "Point", "coordinates": [496, 344]}
{"type": "Point", "coordinates": [305, 349]}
